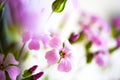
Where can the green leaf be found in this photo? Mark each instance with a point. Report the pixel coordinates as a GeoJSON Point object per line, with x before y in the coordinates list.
{"type": "Point", "coordinates": [1, 10]}
{"type": "Point", "coordinates": [81, 38]}
{"type": "Point", "coordinates": [113, 49]}
{"type": "Point", "coordinates": [7, 76]}
{"type": "Point", "coordinates": [46, 77]}
{"type": "Point", "coordinates": [88, 46]}
{"type": "Point", "coordinates": [26, 74]}
{"type": "Point", "coordinates": [115, 31]}
{"type": "Point", "coordinates": [1, 6]}
{"type": "Point", "coordinates": [89, 57]}
{"type": "Point", "coordinates": [58, 5]}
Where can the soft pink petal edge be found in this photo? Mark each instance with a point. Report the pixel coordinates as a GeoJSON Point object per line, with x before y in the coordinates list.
{"type": "Point", "coordinates": [52, 57]}
{"type": "Point", "coordinates": [13, 72]}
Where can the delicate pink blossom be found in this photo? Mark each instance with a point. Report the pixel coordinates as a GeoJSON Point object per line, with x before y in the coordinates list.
{"type": "Point", "coordinates": [93, 36]}
{"type": "Point", "coordinates": [31, 20]}
{"type": "Point", "coordinates": [116, 22]}
{"type": "Point", "coordinates": [102, 58]}
{"type": "Point", "coordinates": [34, 40]}
{"type": "Point", "coordinates": [61, 54]}
{"type": "Point", "coordinates": [8, 65]}
{"type": "Point", "coordinates": [95, 19]}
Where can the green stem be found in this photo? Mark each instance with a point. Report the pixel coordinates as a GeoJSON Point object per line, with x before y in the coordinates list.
{"type": "Point", "coordinates": [1, 50]}
{"type": "Point", "coordinates": [59, 60]}
{"type": "Point", "coordinates": [113, 49]}
{"type": "Point", "coordinates": [21, 51]}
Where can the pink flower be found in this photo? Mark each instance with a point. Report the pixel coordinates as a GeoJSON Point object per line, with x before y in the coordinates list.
{"type": "Point", "coordinates": [31, 20]}
{"type": "Point", "coordinates": [8, 65]}
{"type": "Point", "coordinates": [93, 36]}
{"type": "Point", "coordinates": [60, 54]}
{"type": "Point", "coordinates": [116, 22]}
{"type": "Point", "coordinates": [102, 58]}
{"type": "Point", "coordinates": [102, 24]}
{"type": "Point", "coordinates": [34, 40]}
{"type": "Point", "coordinates": [95, 19]}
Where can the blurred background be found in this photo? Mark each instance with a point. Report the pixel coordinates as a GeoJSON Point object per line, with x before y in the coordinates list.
{"type": "Point", "coordinates": [70, 20]}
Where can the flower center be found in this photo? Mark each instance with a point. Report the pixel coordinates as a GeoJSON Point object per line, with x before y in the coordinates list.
{"type": "Point", "coordinates": [62, 54]}
{"type": "Point", "coordinates": [1, 66]}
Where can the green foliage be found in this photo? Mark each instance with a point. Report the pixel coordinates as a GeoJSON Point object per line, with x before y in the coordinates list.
{"type": "Point", "coordinates": [1, 6]}
{"type": "Point", "coordinates": [46, 77]}
{"type": "Point", "coordinates": [113, 49]}
{"type": "Point", "coordinates": [89, 57]}
{"type": "Point", "coordinates": [115, 32]}
{"type": "Point", "coordinates": [27, 74]}
{"type": "Point", "coordinates": [58, 5]}
{"type": "Point", "coordinates": [7, 76]}
{"type": "Point", "coordinates": [82, 37]}
{"type": "Point", "coordinates": [88, 46]}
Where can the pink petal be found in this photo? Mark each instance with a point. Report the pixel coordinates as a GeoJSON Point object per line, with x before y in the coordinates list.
{"type": "Point", "coordinates": [102, 58]}
{"type": "Point", "coordinates": [1, 58]}
{"type": "Point", "coordinates": [96, 40]}
{"type": "Point", "coordinates": [10, 59]}
{"type": "Point", "coordinates": [52, 57]}
{"type": "Point", "coordinates": [55, 42]}
{"type": "Point", "coordinates": [26, 37]}
{"type": "Point", "coordinates": [34, 45]}
{"type": "Point", "coordinates": [2, 75]}
{"type": "Point", "coordinates": [99, 60]}
{"type": "Point", "coordinates": [45, 40]}
{"type": "Point", "coordinates": [13, 72]}
{"type": "Point", "coordinates": [67, 47]}
{"type": "Point", "coordinates": [65, 66]}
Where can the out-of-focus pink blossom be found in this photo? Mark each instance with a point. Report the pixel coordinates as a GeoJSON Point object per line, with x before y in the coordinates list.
{"type": "Point", "coordinates": [116, 22]}
{"type": "Point", "coordinates": [61, 54]}
{"type": "Point", "coordinates": [34, 40]}
{"type": "Point", "coordinates": [95, 19]}
{"type": "Point", "coordinates": [31, 16]}
{"type": "Point", "coordinates": [55, 42]}
{"type": "Point", "coordinates": [8, 65]}
{"type": "Point", "coordinates": [102, 24]}
{"type": "Point", "coordinates": [102, 58]}
{"type": "Point", "coordinates": [93, 36]}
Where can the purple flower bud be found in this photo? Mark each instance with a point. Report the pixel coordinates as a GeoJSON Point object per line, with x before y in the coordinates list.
{"type": "Point", "coordinates": [37, 76]}
{"type": "Point", "coordinates": [74, 37]}
{"type": "Point", "coordinates": [32, 69]}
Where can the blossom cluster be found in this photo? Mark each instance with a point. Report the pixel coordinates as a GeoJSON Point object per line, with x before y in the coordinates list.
{"type": "Point", "coordinates": [24, 28]}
